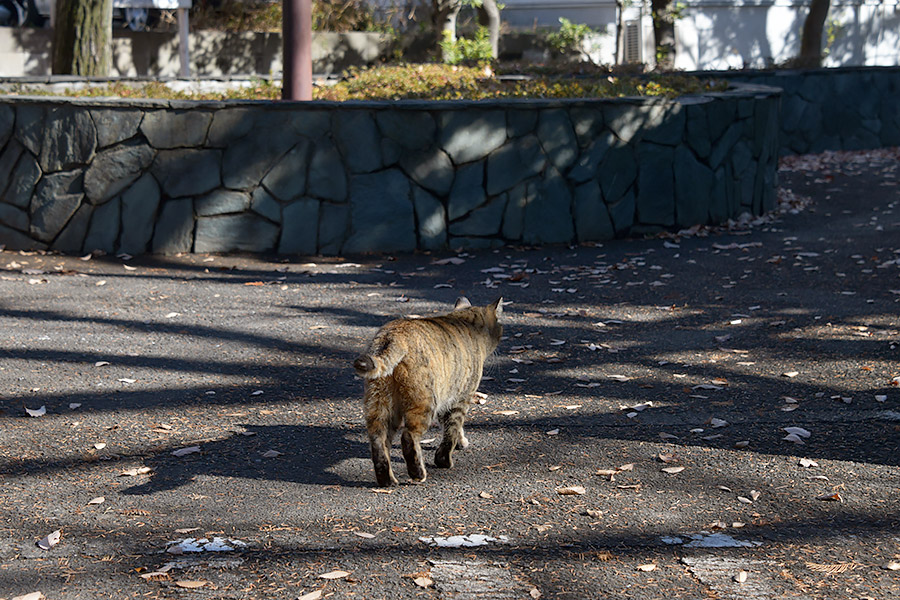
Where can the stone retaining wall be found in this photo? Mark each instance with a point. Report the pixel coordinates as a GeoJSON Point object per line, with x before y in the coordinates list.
{"type": "Point", "coordinates": [167, 177]}
{"type": "Point", "coordinates": [833, 109]}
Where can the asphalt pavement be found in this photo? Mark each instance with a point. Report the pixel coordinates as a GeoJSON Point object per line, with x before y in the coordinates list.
{"type": "Point", "coordinates": [708, 415]}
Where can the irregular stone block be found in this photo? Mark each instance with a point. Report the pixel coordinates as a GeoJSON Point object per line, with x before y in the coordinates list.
{"type": "Point", "coordinates": [431, 169]}
{"type": "Point", "coordinates": [469, 243]}
{"type": "Point", "coordinates": [656, 185]}
{"type": "Point", "coordinates": [588, 163]}
{"type": "Point", "coordinates": [334, 222]}
{"type": "Point", "coordinates": [71, 239]}
{"type": "Point", "coordinates": [167, 129]}
{"type": "Point", "coordinates": [665, 124]}
{"type": "Point", "coordinates": [625, 120]}
{"type": "Point", "coordinates": [520, 122]}
{"type": "Point", "coordinates": [548, 218]}
{"type": "Point", "coordinates": [431, 219]}
{"type": "Point", "coordinates": [221, 202]}
{"type": "Point", "coordinates": [8, 159]}
{"type": "Point", "coordinates": [381, 213]}
{"type": "Point", "coordinates": [311, 124]}
{"type": "Point", "coordinates": [287, 179]}
{"type": "Point", "coordinates": [14, 240]}
{"type": "Point", "coordinates": [24, 177]}
{"type": "Point", "coordinates": [229, 125]}
{"type": "Point", "coordinates": [247, 160]}
{"type": "Point", "coordinates": [300, 229]}
{"type": "Point", "coordinates": [720, 115]}
{"type": "Point", "coordinates": [412, 130]}
{"type": "Point", "coordinates": [104, 228]}
{"type": "Point", "coordinates": [723, 146]}
{"type": "Point", "coordinates": [327, 176]}
{"type": "Point", "coordinates": [56, 199]}
{"type": "Point", "coordinates": [741, 156]}
{"type": "Point", "coordinates": [592, 221]}
{"type": "Point", "coordinates": [229, 233]}
{"type": "Point", "coordinates": [13, 217]}
{"type": "Point", "coordinates": [358, 140]}
{"type": "Point", "coordinates": [557, 137]}
{"type": "Point", "coordinates": [70, 139]}
{"type": "Point", "coordinates": [622, 212]}
{"type": "Point", "coordinates": [187, 172]}
{"type": "Point", "coordinates": [390, 152]}
{"type": "Point", "coordinates": [697, 130]}
{"type": "Point", "coordinates": [113, 170]}
{"type": "Point", "coordinates": [467, 192]}
{"type": "Point", "coordinates": [139, 205]}
{"type": "Point", "coordinates": [618, 172]}
{"type": "Point", "coordinates": [719, 210]}
{"type": "Point", "coordinates": [7, 123]}
{"type": "Point", "coordinates": [483, 221]}
{"type": "Point", "coordinates": [30, 126]}
{"type": "Point", "coordinates": [263, 203]}
{"type": "Point", "coordinates": [472, 134]}
{"type": "Point", "coordinates": [174, 231]}
{"type": "Point", "coordinates": [115, 125]}
{"type": "Point", "coordinates": [693, 189]}
{"type": "Point", "coordinates": [514, 217]}
{"type": "Point", "coordinates": [587, 123]}
{"type": "Point", "coordinates": [514, 162]}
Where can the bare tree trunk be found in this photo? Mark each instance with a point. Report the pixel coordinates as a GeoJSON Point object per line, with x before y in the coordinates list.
{"type": "Point", "coordinates": [492, 14]}
{"type": "Point", "coordinates": [811, 42]}
{"type": "Point", "coordinates": [82, 38]}
{"type": "Point", "coordinates": [664, 33]}
{"type": "Point", "coordinates": [444, 13]}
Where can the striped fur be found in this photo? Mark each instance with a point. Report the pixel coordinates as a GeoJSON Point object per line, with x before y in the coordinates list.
{"type": "Point", "coordinates": [418, 370]}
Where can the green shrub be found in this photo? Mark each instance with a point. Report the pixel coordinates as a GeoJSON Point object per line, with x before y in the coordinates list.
{"type": "Point", "coordinates": [468, 51]}
{"type": "Point", "coordinates": [570, 37]}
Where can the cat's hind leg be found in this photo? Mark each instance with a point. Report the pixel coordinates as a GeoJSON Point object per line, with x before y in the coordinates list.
{"type": "Point", "coordinates": [452, 422]}
{"type": "Point", "coordinates": [417, 423]}
{"type": "Point", "coordinates": [381, 425]}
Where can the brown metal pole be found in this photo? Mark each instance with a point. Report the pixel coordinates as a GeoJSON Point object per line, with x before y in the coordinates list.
{"type": "Point", "coordinates": [297, 51]}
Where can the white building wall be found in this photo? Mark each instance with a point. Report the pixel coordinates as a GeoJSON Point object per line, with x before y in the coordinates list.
{"type": "Point", "coordinates": [718, 34]}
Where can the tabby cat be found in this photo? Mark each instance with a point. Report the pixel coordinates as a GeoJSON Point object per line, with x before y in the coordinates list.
{"type": "Point", "coordinates": [419, 369]}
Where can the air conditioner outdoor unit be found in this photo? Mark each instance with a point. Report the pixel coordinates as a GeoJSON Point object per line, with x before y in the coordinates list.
{"type": "Point", "coordinates": [632, 42]}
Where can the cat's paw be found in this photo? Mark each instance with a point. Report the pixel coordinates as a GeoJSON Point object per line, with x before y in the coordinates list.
{"type": "Point", "coordinates": [463, 441]}
{"type": "Point", "coordinates": [443, 459]}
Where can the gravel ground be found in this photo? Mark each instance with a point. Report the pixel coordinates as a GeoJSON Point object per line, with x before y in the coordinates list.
{"type": "Point", "coordinates": [687, 353]}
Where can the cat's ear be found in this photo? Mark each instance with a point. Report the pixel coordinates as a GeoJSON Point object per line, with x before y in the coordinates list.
{"type": "Point", "coordinates": [497, 306]}
{"type": "Point", "coordinates": [461, 303]}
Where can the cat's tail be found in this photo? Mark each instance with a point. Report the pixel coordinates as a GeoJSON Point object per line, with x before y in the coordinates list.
{"type": "Point", "coordinates": [380, 363]}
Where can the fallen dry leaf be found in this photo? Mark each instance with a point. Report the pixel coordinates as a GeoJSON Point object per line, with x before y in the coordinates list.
{"type": "Point", "coordinates": [485, 495]}
{"type": "Point", "coordinates": [741, 577]}
{"type": "Point", "coordinates": [790, 374]}
{"type": "Point", "coordinates": [190, 584]}
{"type": "Point", "coordinates": [806, 463]}
{"type": "Point", "coordinates": [135, 471]}
{"type": "Point", "coordinates": [646, 568]}
{"type": "Point", "coordinates": [185, 451]}
{"type": "Point", "coordinates": [272, 454]}
{"type": "Point", "coordinates": [893, 566]}
{"type": "Point", "coordinates": [51, 540]}
{"type": "Point", "coordinates": [335, 575]}
{"type": "Point", "coordinates": [423, 582]}
{"type": "Point", "coordinates": [311, 596]}
{"type": "Point", "coordinates": [37, 412]}
{"type": "Point", "coordinates": [30, 596]}
{"type": "Point", "coordinates": [835, 497]}
{"type": "Point", "coordinates": [364, 535]}
{"type": "Point", "coordinates": [573, 490]}
{"type": "Point", "coordinates": [97, 500]}
{"type": "Point", "coordinates": [672, 470]}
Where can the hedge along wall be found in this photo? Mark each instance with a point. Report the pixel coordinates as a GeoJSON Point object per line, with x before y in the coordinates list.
{"type": "Point", "coordinates": [167, 177]}
{"type": "Point", "coordinates": [833, 109]}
